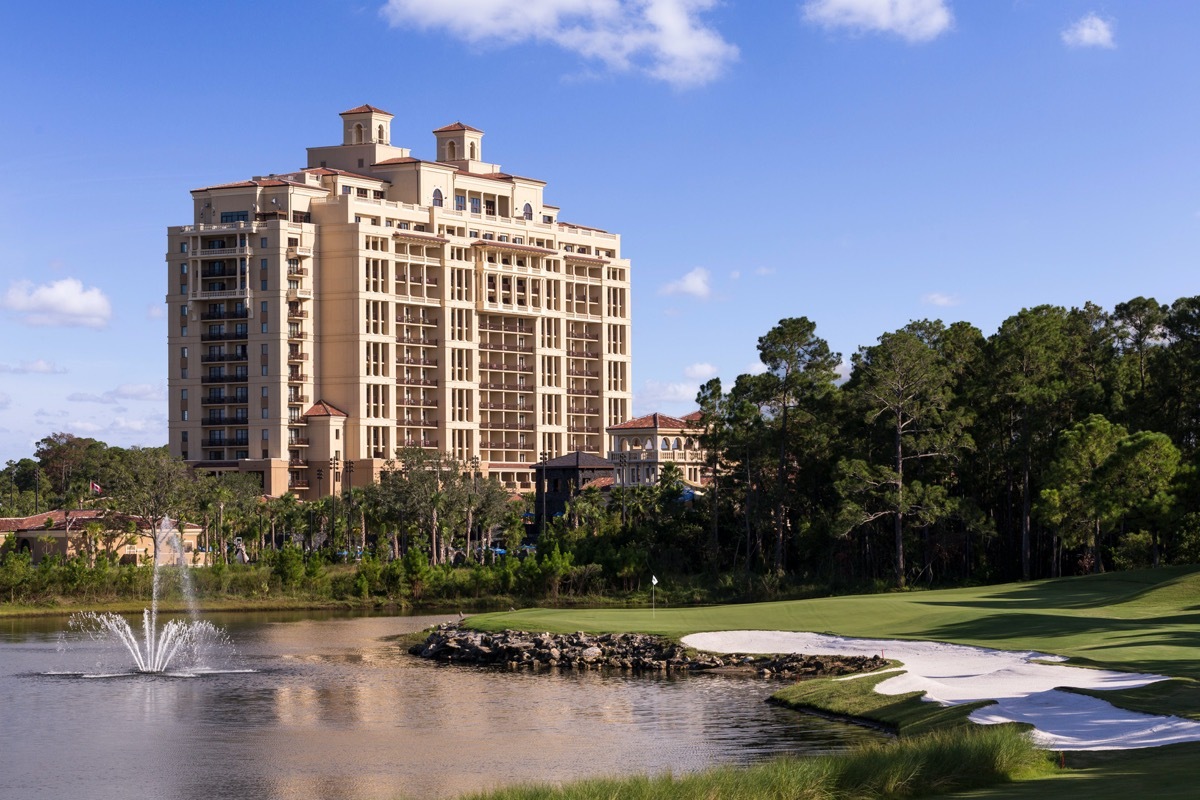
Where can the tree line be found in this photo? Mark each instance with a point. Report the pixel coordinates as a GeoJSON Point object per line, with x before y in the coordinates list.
{"type": "Point", "coordinates": [1065, 442]}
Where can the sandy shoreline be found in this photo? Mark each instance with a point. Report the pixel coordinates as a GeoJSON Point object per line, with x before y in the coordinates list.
{"type": "Point", "coordinates": [1024, 690]}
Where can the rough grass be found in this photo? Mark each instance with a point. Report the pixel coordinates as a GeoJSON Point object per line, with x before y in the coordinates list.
{"type": "Point", "coordinates": [920, 767]}
{"type": "Point", "coordinates": [906, 714]}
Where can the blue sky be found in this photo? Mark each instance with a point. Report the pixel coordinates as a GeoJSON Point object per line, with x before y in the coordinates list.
{"type": "Point", "coordinates": [860, 162]}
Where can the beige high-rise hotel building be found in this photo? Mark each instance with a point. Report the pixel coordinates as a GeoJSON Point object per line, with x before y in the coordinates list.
{"type": "Point", "coordinates": [375, 301]}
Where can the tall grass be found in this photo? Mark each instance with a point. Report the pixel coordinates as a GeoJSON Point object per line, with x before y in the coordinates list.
{"type": "Point", "coordinates": [936, 763]}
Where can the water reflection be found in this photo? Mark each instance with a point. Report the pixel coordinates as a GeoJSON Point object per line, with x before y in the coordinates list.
{"type": "Point", "coordinates": [336, 709]}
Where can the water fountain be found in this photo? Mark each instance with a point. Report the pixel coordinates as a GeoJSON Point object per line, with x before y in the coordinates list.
{"type": "Point", "coordinates": [179, 642]}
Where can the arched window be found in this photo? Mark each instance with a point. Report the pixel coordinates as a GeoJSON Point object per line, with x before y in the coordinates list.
{"type": "Point", "coordinates": [678, 443]}
{"type": "Point", "coordinates": [625, 445]}
{"type": "Point", "coordinates": [650, 444]}
{"type": "Point", "coordinates": [666, 443]}
{"type": "Point", "coordinates": [528, 211]}
{"type": "Point", "coordinates": [379, 137]}
{"type": "Point", "coordinates": [437, 197]}
{"type": "Point", "coordinates": [472, 151]}
{"type": "Point", "coordinates": [358, 133]}
{"type": "Point", "coordinates": [451, 151]}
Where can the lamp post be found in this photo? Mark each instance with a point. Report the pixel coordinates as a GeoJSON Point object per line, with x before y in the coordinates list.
{"type": "Point", "coordinates": [348, 478]}
{"type": "Point", "coordinates": [623, 460]}
{"type": "Point", "coordinates": [333, 475]}
{"type": "Point", "coordinates": [545, 456]}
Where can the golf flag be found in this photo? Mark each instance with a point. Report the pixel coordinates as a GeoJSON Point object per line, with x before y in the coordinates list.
{"type": "Point", "coordinates": [95, 487]}
{"type": "Point", "coordinates": [653, 581]}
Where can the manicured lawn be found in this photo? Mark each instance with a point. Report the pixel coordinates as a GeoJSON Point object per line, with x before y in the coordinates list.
{"type": "Point", "coordinates": [1147, 620]}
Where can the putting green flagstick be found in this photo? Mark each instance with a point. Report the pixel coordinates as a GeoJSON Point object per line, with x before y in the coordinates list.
{"type": "Point", "coordinates": [653, 583]}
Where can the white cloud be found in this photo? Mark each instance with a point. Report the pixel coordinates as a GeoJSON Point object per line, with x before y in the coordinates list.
{"type": "Point", "coordinates": [762, 272]}
{"type": "Point", "coordinates": [659, 392]}
{"type": "Point", "coordinates": [665, 39]}
{"type": "Point", "coordinates": [911, 20]}
{"type": "Point", "coordinates": [126, 391]}
{"type": "Point", "coordinates": [755, 368]}
{"type": "Point", "coordinates": [1090, 31]}
{"type": "Point", "coordinates": [155, 311]}
{"type": "Point", "coordinates": [37, 367]}
{"type": "Point", "coordinates": [733, 276]}
{"type": "Point", "coordinates": [699, 372]}
{"type": "Point", "coordinates": [843, 370]}
{"type": "Point", "coordinates": [694, 283]}
{"type": "Point", "coordinates": [939, 299]}
{"type": "Point", "coordinates": [60, 303]}
{"type": "Point", "coordinates": [5, 401]}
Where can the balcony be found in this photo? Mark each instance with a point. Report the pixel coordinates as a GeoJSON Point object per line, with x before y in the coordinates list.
{"type": "Point", "coordinates": [591, 337]}
{"type": "Point", "coordinates": [505, 426]}
{"type": "Point", "coordinates": [301, 399]}
{"type": "Point", "coordinates": [421, 362]}
{"type": "Point", "coordinates": [297, 336]}
{"type": "Point", "coordinates": [219, 358]}
{"type": "Point", "coordinates": [297, 483]}
{"type": "Point", "coordinates": [220, 421]}
{"type": "Point", "coordinates": [216, 443]}
{"type": "Point", "coordinates": [417, 423]}
{"type": "Point", "coordinates": [299, 294]}
{"type": "Point", "coordinates": [506, 387]}
{"type": "Point", "coordinates": [298, 463]}
{"type": "Point", "coordinates": [507, 348]}
{"type": "Point", "coordinates": [216, 400]}
{"type": "Point", "coordinates": [218, 272]}
{"type": "Point", "coordinates": [295, 357]}
{"type": "Point", "coordinates": [297, 272]}
{"type": "Point", "coordinates": [582, 354]}
{"type": "Point", "coordinates": [504, 406]}
{"type": "Point", "coordinates": [509, 328]}
{"type": "Point", "coordinates": [583, 373]}
{"type": "Point", "coordinates": [584, 392]}
{"type": "Point", "coordinates": [297, 443]}
{"type": "Point", "coordinates": [296, 314]}
{"type": "Point", "coordinates": [224, 378]}
{"type": "Point", "coordinates": [419, 443]}
{"type": "Point", "coordinates": [416, 401]}
{"type": "Point", "coordinates": [300, 252]}
{"type": "Point", "coordinates": [583, 429]}
{"type": "Point", "coordinates": [416, 341]}
{"type": "Point", "coordinates": [406, 381]}
{"type": "Point", "coordinates": [416, 320]}
{"type": "Point", "coordinates": [225, 336]}
{"type": "Point", "coordinates": [297, 377]}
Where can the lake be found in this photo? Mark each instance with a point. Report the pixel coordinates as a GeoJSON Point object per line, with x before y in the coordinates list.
{"type": "Point", "coordinates": [333, 707]}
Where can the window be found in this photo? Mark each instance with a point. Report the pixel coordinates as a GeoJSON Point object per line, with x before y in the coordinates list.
{"type": "Point", "coordinates": [234, 216]}
{"type": "Point", "coordinates": [264, 284]}
{"type": "Point", "coordinates": [262, 243]}
{"type": "Point", "coordinates": [377, 194]}
{"type": "Point", "coordinates": [345, 190]}
{"type": "Point", "coordinates": [183, 352]}
{"type": "Point", "coordinates": [264, 370]}
{"type": "Point", "coordinates": [266, 434]}
{"type": "Point", "coordinates": [183, 394]}
{"type": "Point", "coordinates": [183, 310]}
{"type": "Point", "coordinates": [264, 306]}
{"type": "Point", "coordinates": [183, 268]}
{"type": "Point", "coordinates": [264, 327]}
{"type": "Point", "coordinates": [460, 202]}
{"type": "Point", "coordinates": [183, 330]}
{"type": "Point", "coordinates": [265, 393]}
{"type": "Point", "coordinates": [360, 192]}
{"type": "Point", "coordinates": [266, 413]}
{"type": "Point", "coordinates": [474, 205]}
{"type": "Point", "coordinates": [262, 263]}
{"type": "Point", "coordinates": [528, 211]}
{"type": "Point", "coordinates": [183, 288]}
{"type": "Point", "coordinates": [546, 218]}
{"type": "Point", "coordinates": [183, 415]}
{"type": "Point", "coordinates": [437, 198]}
{"type": "Point", "coordinates": [265, 349]}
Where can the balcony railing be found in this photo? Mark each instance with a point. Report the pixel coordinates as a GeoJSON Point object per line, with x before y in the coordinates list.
{"type": "Point", "coordinates": [224, 378]}
{"type": "Point", "coordinates": [226, 336]}
{"type": "Point", "coordinates": [416, 341]}
{"type": "Point", "coordinates": [402, 380]}
{"type": "Point", "coordinates": [416, 401]}
{"type": "Point", "coordinates": [507, 348]}
{"type": "Point", "coordinates": [216, 400]}
{"type": "Point", "coordinates": [416, 320]}
{"type": "Point", "coordinates": [221, 252]}
{"type": "Point", "coordinates": [297, 356]}
{"type": "Point", "coordinates": [417, 423]}
{"type": "Point", "coordinates": [297, 442]}
{"type": "Point", "coordinates": [510, 328]}
{"type": "Point", "coordinates": [422, 362]}
{"type": "Point", "coordinates": [297, 377]}
{"type": "Point", "coordinates": [217, 358]}
{"type": "Point", "coordinates": [505, 426]}
{"type": "Point", "coordinates": [237, 313]}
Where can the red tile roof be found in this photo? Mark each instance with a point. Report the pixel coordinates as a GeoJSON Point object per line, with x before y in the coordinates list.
{"type": "Point", "coordinates": [261, 183]}
{"type": "Point", "coordinates": [695, 417]}
{"type": "Point", "coordinates": [364, 109]}
{"type": "Point", "coordinates": [599, 483]}
{"type": "Point", "coordinates": [655, 420]}
{"type": "Point", "coordinates": [323, 409]}
{"type": "Point", "coordinates": [456, 126]}
{"type": "Point", "coordinates": [519, 248]}
{"type": "Point", "coordinates": [399, 160]}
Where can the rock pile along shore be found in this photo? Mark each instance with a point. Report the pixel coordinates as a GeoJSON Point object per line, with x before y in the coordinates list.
{"type": "Point", "coordinates": [634, 652]}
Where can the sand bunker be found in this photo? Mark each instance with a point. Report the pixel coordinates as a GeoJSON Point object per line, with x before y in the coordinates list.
{"type": "Point", "coordinates": [1024, 691]}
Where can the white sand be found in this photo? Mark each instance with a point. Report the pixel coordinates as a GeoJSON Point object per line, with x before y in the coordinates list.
{"type": "Point", "coordinates": [1024, 691]}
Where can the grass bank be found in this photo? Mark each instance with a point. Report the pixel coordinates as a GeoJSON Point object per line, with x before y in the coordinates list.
{"type": "Point", "coordinates": [929, 765]}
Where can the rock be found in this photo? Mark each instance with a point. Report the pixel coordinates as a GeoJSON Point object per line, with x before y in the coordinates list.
{"type": "Point", "coordinates": [591, 654]}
